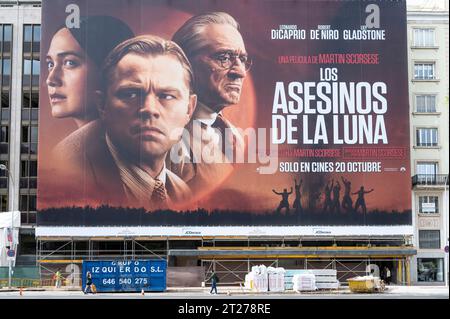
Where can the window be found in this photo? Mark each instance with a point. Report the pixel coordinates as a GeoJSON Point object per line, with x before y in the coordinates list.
{"type": "Point", "coordinates": [4, 139]}
{"type": "Point", "coordinates": [424, 71]}
{"type": "Point", "coordinates": [31, 73]}
{"type": "Point", "coordinates": [28, 168]}
{"type": "Point", "coordinates": [31, 38]}
{"type": "Point", "coordinates": [4, 176]}
{"type": "Point", "coordinates": [29, 139]}
{"type": "Point", "coordinates": [30, 100]}
{"type": "Point", "coordinates": [428, 205]}
{"type": "Point", "coordinates": [5, 100]}
{"type": "Point", "coordinates": [3, 202]}
{"type": "Point", "coordinates": [426, 172]}
{"type": "Point", "coordinates": [27, 38]}
{"type": "Point", "coordinates": [25, 134]}
{"type": "Point", "coordinates": [429, 239]}
{"type": "Point", "coordinates": [4, 188]}
{"type": "Point", "coordinates": [426, 103]}
{"type": "Point", "coordinates": [28, 174]}
{"type": "Point", "coordinates": [427, 168]}
{"type": "Point", "coordinates": [27, 204]}
{"type": "Point", "coordinates": [34, 100]}
{"type": "Point", "coordinates": [36, 38]}
{"type": "Point", "coordinates": [5, 71]}
{"type": "Point", "coordinates": [7, 36]}
{"type": "Point", "coordinates": [26, 71]}
{"type": "Point", "coordinates": [426, 137]}
{"type": "Point", "coordinates": [430, 269]}
{"type": "Point", "coordinates": [423, 37]}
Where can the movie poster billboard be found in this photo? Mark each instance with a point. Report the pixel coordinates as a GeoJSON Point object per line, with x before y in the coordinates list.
{"type": "Point", "coordinates": [223, 113]}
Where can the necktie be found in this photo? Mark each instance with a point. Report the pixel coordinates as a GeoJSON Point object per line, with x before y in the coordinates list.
{"type": "Point", "coordinates": [230, 140]}
{"type": "Point", "coordinates": [159, 195]}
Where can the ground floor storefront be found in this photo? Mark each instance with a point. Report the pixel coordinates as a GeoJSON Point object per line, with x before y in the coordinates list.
{"type": "Point", "coordinates": [429, 268]}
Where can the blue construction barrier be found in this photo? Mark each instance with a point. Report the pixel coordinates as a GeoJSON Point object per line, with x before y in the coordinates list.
{"type": "Point", "coordinates": [126, 275]}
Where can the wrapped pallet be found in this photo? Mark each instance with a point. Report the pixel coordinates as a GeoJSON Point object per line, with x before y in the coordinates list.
{"type": "Point", "coordinates": [258, 279]}
{"type": "Point", "coordinates": [304, 282]}
{"type": "Point", "coordinates": [261, 280]}
{"type": "Point", "coordinates": [276, 279]}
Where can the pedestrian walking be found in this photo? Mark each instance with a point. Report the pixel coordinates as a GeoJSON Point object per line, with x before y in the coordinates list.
{"type": "Point", "coordinates": [88, 288]}
{"type": "Point", "coordinates": [214, 280]}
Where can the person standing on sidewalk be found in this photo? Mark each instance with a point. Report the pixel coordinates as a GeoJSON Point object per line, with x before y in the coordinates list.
{"type": "Point", "coordinates": [58, 278]}
{"type": "Point", "coordinates": [214, 280]}
{"type": "Point", "coordinates": [388, 275]}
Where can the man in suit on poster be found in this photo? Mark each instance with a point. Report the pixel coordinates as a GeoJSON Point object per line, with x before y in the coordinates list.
{"type": "Point", "coordinates": [213, 44]}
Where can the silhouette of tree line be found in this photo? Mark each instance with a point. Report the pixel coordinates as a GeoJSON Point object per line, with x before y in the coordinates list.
{"type": "Point", "coordinates": [126, 216]}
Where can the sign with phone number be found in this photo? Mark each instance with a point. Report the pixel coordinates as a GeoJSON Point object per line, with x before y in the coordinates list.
{"type": "Point", "coordinates": [126, 276]}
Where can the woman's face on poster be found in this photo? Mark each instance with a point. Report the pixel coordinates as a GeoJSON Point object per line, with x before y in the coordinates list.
{"type": "Point", "coordinates": [72, 77]}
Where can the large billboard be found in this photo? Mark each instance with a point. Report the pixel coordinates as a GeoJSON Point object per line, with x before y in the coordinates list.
{"type": "Point", "coordinates": [223, 113]}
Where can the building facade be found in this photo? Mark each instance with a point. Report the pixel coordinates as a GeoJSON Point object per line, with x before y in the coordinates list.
{"type": "Point", "coordinates": [234, 257]}
{"type": "Point", "coordinates": [19, 85]}
{"type": "Point", "coordinates": [428, 49]}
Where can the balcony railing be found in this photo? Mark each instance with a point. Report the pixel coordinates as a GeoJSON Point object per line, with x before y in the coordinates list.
{"type": "Point", "coordinates": [429, 179]}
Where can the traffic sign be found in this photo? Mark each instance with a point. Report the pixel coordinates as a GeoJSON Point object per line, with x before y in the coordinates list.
{"type": "Point", "coordinates": [11, 253]}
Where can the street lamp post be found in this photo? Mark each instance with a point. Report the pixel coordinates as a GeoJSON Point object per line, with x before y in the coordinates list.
{"type": "Point", "coordinates": [4, 168]}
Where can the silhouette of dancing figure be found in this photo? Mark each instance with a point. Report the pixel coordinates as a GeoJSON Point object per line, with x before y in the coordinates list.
{"type": "Point", "coordinates": [284, 203]}
{"type": "Point", "coordinates": [347, 202]}
{"type": "Point", "coordinates": [336, 204]}
{"type": "Point", "coordinates": [360, 201]}
{"type": "Point", "coordinates": [328, 202]}
{"type": "Point", "coordinates": [298, 202]}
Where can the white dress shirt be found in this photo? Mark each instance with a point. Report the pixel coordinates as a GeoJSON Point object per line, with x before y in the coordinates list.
{"type": "Point", "coordinates": [137, 183]}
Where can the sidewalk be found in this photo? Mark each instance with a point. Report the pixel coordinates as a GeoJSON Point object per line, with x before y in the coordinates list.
{"type": "Point", "coordinates": [238, 291]}
{"type": "Point", "coordinates": [390, 290]}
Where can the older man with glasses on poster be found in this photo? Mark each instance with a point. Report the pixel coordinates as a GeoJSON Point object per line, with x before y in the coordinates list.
{"type": "Point", "coordinates": [214, 46]}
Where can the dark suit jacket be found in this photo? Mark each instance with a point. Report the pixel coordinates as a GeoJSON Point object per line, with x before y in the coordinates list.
{"type": "Point", "coordinates": [202, 177]}
{"type": "Point", "coordinates": [86, 156]}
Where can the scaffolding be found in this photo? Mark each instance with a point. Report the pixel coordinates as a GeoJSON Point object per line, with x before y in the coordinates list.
{"type": "Point", "coordinates": [233, 271]}
{"type": "Point", "coordinates": [241, 254]}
